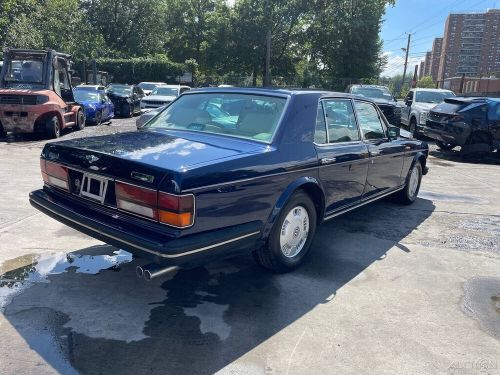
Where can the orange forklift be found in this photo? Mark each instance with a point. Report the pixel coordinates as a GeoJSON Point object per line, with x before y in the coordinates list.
{"type": "Point", "coordinates": [36, 94]}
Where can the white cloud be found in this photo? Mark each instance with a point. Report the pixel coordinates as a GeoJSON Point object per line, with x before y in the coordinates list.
{"type": "Point", "coordinates": [395, 64]}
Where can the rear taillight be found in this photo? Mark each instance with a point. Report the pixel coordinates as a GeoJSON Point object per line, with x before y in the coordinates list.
{"type": "Point", "coordinates": [138, 200]}
{"type": "Point", "coordinates": [170, 209]}
{"type": "Point", "coordinates": [54, 174]}
{"type": "Point", "coordinates": [176, 210]}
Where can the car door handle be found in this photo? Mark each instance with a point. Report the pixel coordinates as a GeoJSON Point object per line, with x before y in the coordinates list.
{"type": "Point", "coordinates": [374, 153]}
{"type": "Point", "coordinates": [328, 160]}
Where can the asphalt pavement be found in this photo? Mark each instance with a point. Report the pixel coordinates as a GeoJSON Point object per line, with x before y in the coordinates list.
{"type": "Point", "coordinates": [386, 289]}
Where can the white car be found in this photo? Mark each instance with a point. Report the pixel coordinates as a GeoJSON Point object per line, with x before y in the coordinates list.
{"type": "Point", "coordinates": [162, 95]}
{"type": "Point", "coordinates": [418, 103]}
{"type": "Point", "coordinates": [147, 87]}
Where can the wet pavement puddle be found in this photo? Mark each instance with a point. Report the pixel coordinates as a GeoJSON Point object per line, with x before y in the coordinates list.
{"type": "Point", "coordinates": [482, 302]}
{"type": "Point", "coordinates": [37, 269]}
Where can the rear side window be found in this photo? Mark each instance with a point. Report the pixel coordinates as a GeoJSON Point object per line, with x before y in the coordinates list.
{"type": "Point", "coordinates": [369, 121]}
{"type": "Point", "coordinates": [340, 120]}
{"type": "Point", "coordinates": [320, 129]}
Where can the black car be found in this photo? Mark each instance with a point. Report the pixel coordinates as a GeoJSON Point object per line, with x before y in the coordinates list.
{"type": "Point", "coordinates": [126, 98]}
{"type": "Point", "coordinates": [472, 123]}
{"type": "Point", "coordinates": [197, 183]}
{"type": "Point", "coordinates": [382, 97]}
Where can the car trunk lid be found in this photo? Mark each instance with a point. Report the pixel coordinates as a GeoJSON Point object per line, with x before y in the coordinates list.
{"type": "Point", "coordinates": [147, 157]}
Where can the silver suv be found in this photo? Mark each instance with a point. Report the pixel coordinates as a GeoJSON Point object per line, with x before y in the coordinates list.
{"type": "Point", "coordinates": [418, 102]}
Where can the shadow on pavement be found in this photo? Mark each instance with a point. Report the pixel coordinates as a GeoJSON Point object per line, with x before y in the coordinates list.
{"type": "Point", "coordinates": [454, 155]}
{"type": "Point", "coordinates": [200, 320]}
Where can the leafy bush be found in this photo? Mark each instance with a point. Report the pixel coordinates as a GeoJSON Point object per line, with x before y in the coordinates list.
{"type": "Point", "coordinates": [138, 69]}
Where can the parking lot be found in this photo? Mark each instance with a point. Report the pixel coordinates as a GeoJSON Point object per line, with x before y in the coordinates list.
{"type": "Point", "coordinates": [386, 289]}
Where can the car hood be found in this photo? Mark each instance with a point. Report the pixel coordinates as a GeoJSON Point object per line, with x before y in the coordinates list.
{"type": "Point", "coordinates": [385, 102]}
{"type": "Point", "coordinates": [117, 96]}
{"type": "Point", "coordinates": [161, 98]}
{"type": "Point", "coordinates": [88, 102]}
{"type": "Point", "coordinates": [424, 106]}
{"type": "Point", "coordinates": [164, 149]}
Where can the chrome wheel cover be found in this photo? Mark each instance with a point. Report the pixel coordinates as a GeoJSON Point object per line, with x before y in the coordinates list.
{"type": "Point", "coordinates": [294, 231]}
{"type": "Point", "coordinates": [413, 183]}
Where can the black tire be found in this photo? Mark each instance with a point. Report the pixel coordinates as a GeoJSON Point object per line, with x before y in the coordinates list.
{"type": "Point", "coordinates": [445, 146]}
{"type": "Point", "coordinates": [53, 127]}
{"type": "Point", "coordinates": [271, 256]}
{"type": "Point", "coordinates": [98, 118]}
{"type": "Point", "coordinates": [413, 127]}
{"type": "Point", "coordinates": [80, 120]}
{"type": "Point", "coordinates": [130, 112]}
{"type": "Point", "coordinates": [408, 195]}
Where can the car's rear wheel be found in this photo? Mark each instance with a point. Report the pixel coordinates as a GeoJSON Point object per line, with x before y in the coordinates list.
{"type": "Point", "coordinates": [80, 120]}
{"type": "Point", "coordinates": [409, 193]}
{"type": "Point", "coordinates": [445, 146]}
{"type": "Point", "coordinates": [291, 235]}
{"type": "Point", "coordinates": [53, 127]}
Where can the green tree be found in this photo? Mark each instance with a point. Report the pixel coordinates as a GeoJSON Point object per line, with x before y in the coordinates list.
{"type": "Point", "coordinates": [426, 82]}
{"type": "Point", "coordinates": [18, 24]}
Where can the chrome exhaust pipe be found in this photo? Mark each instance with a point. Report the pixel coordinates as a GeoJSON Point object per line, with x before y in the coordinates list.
{"type": "Point", "coordinates": [139, 271]}
{"type": "Point", "coordinates": [153, 270]}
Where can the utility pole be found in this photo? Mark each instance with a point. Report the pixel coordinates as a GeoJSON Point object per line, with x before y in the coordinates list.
{"type": "Point", "coordinates": [267, 77]}
{"type": "Point", "coordinates": [406, 59]}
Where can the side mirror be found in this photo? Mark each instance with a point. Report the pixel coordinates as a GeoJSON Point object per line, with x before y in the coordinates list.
{"type": "Point", "coordinates": [393, 132]}
{"type": "Point", "coordinates": [408, 101]}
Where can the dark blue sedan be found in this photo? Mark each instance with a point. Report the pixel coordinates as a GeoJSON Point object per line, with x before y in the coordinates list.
{"type": "Point", "coordinates": [226, 170]}
{"type": "Point", "coordinates": [98, 107]}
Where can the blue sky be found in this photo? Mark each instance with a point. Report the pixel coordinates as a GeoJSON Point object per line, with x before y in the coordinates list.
{"type": "Point", "coordinates": [425, 20]}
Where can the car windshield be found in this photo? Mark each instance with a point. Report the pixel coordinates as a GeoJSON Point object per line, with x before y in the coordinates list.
{"type": "Point", "coordinates": [165, 91]}
{"type": "Point", "coordinates": [373, 92]}
{"type": "Point", "coordinates": [147, 86]}
{"type": "Point", "coordinates": [25, 71]}
{"type": "Point", "coordinates": [432, 96]}
{"type": "Point", "coordinates": [120, 89]}
{"type": "Point", "coordinates": [256, 117]}
{"type": "Point", "coordinates": [86, 96]}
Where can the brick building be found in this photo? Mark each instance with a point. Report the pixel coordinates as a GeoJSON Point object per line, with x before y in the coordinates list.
{"type": "Point", "coordinates": [471, 45]}
{"type": "Point", "coordinates": [437, 46]}
{"type": "Point", "coordinates": [427, 64]}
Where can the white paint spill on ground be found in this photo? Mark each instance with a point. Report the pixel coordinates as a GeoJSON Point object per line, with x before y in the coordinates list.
{"type": "Point", "coordinates": [211, 317]}
{"type": "Point", "coordinates": [15, 282]}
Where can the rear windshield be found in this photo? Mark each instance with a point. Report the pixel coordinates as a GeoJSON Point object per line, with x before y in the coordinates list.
{"type": "Point", "coordinates": [244, 116]}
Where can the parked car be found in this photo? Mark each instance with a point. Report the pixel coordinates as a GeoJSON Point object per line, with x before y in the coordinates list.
{"type": "Point", "coordinates": [147, 87]}
{"type": "Point", "coordinates": [191, 186]}
{"type": "Point", "coordinates": [91, 87]}
{"type": "Point", "coordinates": [384, 99]}
{"type": "Point", "coordinates": [418, 102]}
{"type": "Point", "coordinates": [126, 99]}
{"type": "Point", "coordinates": [162, 95]}
{"type": "Point", "coordinates": [98, 107]}
{"type": "Point", "coordinates": [146, 116]}
{"type": "Point", "coordinates": [472, 123]}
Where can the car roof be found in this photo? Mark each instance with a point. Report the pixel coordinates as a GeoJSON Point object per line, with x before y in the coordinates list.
{"type": "Point", "coordinates": [370, 86]}
{"type": "Point", "coordinates": [433, 90]}
{"type": "Point", "coordinates": [273, 92]}
{"type": "Point", "coordinates": [95, 87]}
{"type": "Point", "coordinates": [155, 83]}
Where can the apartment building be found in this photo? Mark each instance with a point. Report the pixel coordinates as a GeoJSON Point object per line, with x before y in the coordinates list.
{"type": "Point", "coordinates": [471, 45]}
{"type": "Point", "coordinates": [437, 47]}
